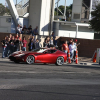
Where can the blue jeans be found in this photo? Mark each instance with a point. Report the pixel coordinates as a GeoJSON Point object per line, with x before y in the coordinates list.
{"type": "Point", "coordinates": [24, 49]}
{"type": "Point", "coordinates": [8, 50]}
{"type": "Point", "coordinates": [3, 52]}
{"type": "Point", "coordinates": [71, 55]}
{"type": "Point", "coordinates": [65, 51]}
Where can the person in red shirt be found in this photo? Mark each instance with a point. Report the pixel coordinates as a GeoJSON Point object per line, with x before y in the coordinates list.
{"type": "Point", "coordinates": [65, 47]}
{"type": "Point", "coordinates": [24, 42]}
{"type": "Point", "coordinates": [17, 37]}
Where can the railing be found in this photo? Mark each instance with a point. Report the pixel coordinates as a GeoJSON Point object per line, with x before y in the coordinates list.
{"type": "Point", "coordinates": [22, 4]}
{"type": "Point", "coordinates": [63, 14]}
{"type": "Point", "coordinates": [22, 7]}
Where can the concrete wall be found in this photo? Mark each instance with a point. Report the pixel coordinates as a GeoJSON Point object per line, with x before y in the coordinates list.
{"type": "Point", "coordinates": [39, 15]}
{"type": "Point", "coordinates": [70, 31]}
{"type": "Point", "coordinates": [83, 35]}
{"type": "Point", "coordinates": [34, 12]}
{"type": "Point", "coordinates": [5, 24]}
{"type": "Point", "coordinates": [77, 9]}
{"type": "Point", "coordinates": [24, 21]}
{"type": "Point", "coordinates": [22, 11]}
{"type": "Point", "coordinates": [13, 26]}
{"type": "Point", "coordinates": [45, 17]}
{"type": "Point", "coordinates": [87, 47]}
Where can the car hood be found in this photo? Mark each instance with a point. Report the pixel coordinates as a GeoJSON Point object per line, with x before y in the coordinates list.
{"type": "Point", "coordinates": [23, 52]}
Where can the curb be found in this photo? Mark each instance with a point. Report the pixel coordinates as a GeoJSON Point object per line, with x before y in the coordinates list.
{"type": "Point", "coordinates": [93, 64]}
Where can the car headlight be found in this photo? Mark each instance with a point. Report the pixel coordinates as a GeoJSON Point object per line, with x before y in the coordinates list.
{"type": "Point", "coordinates": [19, 55]}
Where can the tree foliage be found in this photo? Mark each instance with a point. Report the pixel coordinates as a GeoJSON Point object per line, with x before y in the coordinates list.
{"type": "Point", "coordinates": [95, 21]}
{"type": "Point", "coordinates": [4, 10]}
{"type": "Point", "coordinates": [61, 8]}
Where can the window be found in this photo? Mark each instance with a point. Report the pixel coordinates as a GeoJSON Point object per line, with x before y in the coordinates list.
{"type": "Point", "coordinates": [50, 51]}
{"type": "Point", "coordinates": [76, 16]}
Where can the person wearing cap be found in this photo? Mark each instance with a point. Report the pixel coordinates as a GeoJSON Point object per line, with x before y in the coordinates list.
{"type": "Point", "coordinates": [72, 47]}
{"type": "Point", "coordinates": [75, 43]}
{"type": "Point", "coordinates": [70, 42]}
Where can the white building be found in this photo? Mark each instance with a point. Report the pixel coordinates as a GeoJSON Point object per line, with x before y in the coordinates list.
{"type": "Point", "coordinates": [41, 13]}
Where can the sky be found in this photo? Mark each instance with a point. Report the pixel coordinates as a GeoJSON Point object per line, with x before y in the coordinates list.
{"type": "Point", "coordinates": [60, 3]}
{"type": "Point", "coordinates": [3, 1]}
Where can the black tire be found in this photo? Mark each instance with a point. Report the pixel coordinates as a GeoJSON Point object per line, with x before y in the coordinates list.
{"type": "Point", "coordinates": [30, 59]}
{"type": "Point", "coordinates": [60, 61]}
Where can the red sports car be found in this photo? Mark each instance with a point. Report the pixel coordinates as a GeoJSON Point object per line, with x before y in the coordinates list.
{"type": "Point", "coordinates": [42, 55]}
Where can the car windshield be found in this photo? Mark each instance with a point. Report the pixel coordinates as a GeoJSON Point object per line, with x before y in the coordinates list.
{"type": "Point", "coordinates": [41, 50]}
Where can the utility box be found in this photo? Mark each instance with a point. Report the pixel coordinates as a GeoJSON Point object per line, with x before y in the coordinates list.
{"type": "Point", "coordinates": [98, 56]}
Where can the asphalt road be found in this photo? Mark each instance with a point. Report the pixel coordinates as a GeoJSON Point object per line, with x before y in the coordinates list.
{"type": "Point", "coordinates": [48, 82]}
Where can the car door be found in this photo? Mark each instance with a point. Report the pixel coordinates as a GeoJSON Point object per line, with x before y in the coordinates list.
{"type": "Point", "coordinates": [49, 56]}
{"type": "Point", "coordinates": [39, 58]}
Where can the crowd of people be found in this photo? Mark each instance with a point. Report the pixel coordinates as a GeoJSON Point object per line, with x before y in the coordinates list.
{"type": "Point", "coordinates": [70, 45]}
{"type": "Point", "coordinates": [12, 43]}
{"type": "Point", "coordinates": [25, 30]}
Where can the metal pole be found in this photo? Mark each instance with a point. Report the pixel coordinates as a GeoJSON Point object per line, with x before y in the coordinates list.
{"type": "Point", "coordinates": [65, 10]}
{"type": "Point", "coordinates": [51, 17]}
{"type": "Point", "coordinates": [57, 7]}
{"type": "Point", "coordinates": [76, 31]}
{"type": "Point", "coordinates": [90, 9]}
{"type": "Point", "coordinates": [16, 2]}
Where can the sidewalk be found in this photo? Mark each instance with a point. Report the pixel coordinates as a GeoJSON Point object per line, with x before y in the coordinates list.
{"type": "Point", "coordinates": [81, 61]}
{"type": "Point", "coordinates": [86, 61]}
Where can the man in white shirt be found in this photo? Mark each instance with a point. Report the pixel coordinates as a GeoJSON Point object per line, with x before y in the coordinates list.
{"type": "Point", "coordinates": [19, 29]}
{"type": "Point", "coordinates": [72, 47]}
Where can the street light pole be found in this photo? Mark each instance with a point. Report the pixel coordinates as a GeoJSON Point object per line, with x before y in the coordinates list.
{"type": "Point", "coordinates": [16, 2]}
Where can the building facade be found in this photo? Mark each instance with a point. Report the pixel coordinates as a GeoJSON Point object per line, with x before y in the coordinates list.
{"type": "Point", "coordinates": [41, 13]}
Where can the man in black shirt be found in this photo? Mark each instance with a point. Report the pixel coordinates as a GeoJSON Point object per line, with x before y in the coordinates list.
{"type": "Point", "coordinates": [4, 46]}
{"type": "Point", "coordinates": [12, 44]}
{"type": "Point", "coordinates": [70, 42]}
{"type": "Point", "coordinates": [17, 43]}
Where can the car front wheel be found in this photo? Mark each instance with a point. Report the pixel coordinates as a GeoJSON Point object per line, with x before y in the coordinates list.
{"type": "Point", "coordinates": [60, 61]}
{"type": "Point", "coordinates": [30, 59]}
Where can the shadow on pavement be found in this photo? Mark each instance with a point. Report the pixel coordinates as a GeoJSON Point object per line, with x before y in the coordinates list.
{"type": "Point", "coordinates": [84, 66]}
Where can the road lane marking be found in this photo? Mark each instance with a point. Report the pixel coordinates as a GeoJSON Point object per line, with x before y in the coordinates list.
{"type": "Point", "coordinates": [33, 72]}
{"type": "Point", "coordinates": [51, 81]}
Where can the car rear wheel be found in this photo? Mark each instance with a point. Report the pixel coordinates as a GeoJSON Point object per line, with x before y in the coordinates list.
{"type": "Point", "coordinates": [30, 59]}
{"type": "Point", "coordinates": [60, 61]}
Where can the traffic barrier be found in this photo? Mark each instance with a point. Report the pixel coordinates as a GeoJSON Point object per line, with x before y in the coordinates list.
{"type": "Point", "coordinates": [94, 58]}
{"type": "Point", "coordinates": [76, 57]}
{"type": "Point", "coordinates": [69, 60]}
